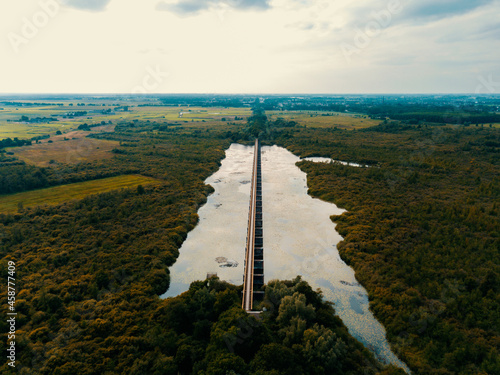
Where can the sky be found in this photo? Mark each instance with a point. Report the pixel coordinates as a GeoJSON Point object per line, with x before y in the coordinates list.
{"type": "Point", "coordinates": [250, 46]}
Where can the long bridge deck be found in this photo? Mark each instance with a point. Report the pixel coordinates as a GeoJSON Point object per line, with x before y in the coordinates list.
{"type": "Point", "coordinates": [253, 278]}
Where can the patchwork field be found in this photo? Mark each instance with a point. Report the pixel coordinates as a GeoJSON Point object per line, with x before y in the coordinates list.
{"type": "Point", "coordinates": [68, 145]}
{"type": "Point", "coordinates": [11, 125]}
{"type": "Point", "coordinates": [51, 196]}
{"type": "Point", "coordinates": [185, 114]}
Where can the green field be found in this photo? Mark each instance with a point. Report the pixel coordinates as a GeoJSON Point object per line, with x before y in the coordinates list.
{"type": "Point", "coordinates": [183, 114]}
{"type": "Point", "coordinates": [12, 127]}
{"type": "Point", "coordinates": [59, 194]}
{"type": "Point", "coordinates": [317, 119]}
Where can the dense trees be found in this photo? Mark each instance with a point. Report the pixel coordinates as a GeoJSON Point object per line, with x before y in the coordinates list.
{"type": "Point", "coordinates": [89, 270]}
{"type": "Point", "coordinates": [89, 273]}
{"type": "Point", "coordinates": [215, 336]}
{"type": "Point", "coordinates": [257, 125]}
{"type": "Point", "coordinates": [421, 232]}
{"type": "Point", "coordinates": [8, 142]}
{"type": "Point", "coordinates": [16, 176]}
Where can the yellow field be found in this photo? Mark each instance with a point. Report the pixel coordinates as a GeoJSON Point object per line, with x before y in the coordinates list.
{"type": "Point", "coordinates": [315, 119]}
{"type": "Point", "coordinates": [27, 131]}
{"type": "Point", "coordinates": [60, 194]}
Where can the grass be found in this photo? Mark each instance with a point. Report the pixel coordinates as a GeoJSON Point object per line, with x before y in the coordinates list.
{"type": "Point", "coordinates": [60, 194]}
{"type": "Point", "coordinates": [188, 114]}
{"type": "Point", "coordinates": [72, 147]}
{"type": "Point", "coordinates": [315, 119]}
{"type": "Point", "coordinates": [152, 113]}
{"type": "Point", "coordinates": [211, 115]}
{"type": "Point", "coordinates": [27, 131]}
{"type": "Point", "coordinates": [62, 151]}
{"type": "Point", "coordinates": [16, 129]}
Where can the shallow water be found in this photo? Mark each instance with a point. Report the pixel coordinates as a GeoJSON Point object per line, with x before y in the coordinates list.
{"type": "Point", "coordinates": [318, 159]}
{"type": "Point", "coordinates": [299, 239]}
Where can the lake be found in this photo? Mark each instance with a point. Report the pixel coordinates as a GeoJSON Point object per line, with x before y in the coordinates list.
{"type": "Point", "coordinates": [299, 239]}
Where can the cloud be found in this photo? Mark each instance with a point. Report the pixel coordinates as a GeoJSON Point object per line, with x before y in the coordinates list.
{"type": "Point", "coordinates": [435, 10]}
{"type": "Point", "coordinates": [302, 25]}
{"type": "Point", "coordinates": [411, 12]}
{"type": "Point", "coordinates": [491, 31]}
{"type": "Point", "coordinates": [90, 5]}
{"type": "Point", "coordinates": [191, 7]}
{"type": "Point", "coordinates": [486, 31]}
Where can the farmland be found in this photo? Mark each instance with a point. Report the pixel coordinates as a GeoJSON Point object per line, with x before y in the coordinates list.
{"type": "Point", "coordinates": [67, 117]}
{"type": "Point", "coordinates": [315, 119]}
{"type": "Point", "coordinates": [62, 143]}
{"type": "Point", "coordinates": [64, 193]}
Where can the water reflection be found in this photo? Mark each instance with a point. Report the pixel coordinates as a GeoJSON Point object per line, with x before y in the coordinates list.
{"type": "Point", "coordinates": [299, 239]}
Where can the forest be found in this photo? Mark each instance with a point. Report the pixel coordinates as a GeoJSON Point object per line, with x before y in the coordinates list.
{"type": "Point", "coordinates": [90, 272]}
{"type": "Point", "coordinates": [422, 233]}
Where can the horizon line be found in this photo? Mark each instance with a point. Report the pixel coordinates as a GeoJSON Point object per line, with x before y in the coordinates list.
{"type": "Point", "coordinates": [241, 94]}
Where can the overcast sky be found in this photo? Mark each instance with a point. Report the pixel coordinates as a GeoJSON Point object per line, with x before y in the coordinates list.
{"type": "Point", "coordinates": [250, 46]}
